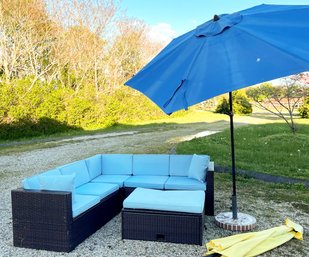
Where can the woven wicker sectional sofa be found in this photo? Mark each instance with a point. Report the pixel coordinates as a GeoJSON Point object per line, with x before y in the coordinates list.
{"type": "Point", "coordinates": [58, 209]}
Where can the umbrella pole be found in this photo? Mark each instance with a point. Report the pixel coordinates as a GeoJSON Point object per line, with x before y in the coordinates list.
{"type": "Point", "coordinates": [234, 199]}
{"type": "Point", "coordinates": [232, 220]}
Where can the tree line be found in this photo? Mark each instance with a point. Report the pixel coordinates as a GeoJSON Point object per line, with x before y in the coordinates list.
{"type": "Point", "coordinates": [66, 60]}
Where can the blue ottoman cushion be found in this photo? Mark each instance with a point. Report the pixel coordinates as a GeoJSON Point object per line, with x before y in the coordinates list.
{"type": "Point", "coordinates": [166, 200]}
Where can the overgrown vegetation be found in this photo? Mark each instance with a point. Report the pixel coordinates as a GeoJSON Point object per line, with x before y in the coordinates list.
{"type": "Point", "coordinates": [66, 61]}
{"type": "Point", "coordinates": [268, 148]}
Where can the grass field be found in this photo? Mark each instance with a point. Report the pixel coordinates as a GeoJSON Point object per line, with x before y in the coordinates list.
{"type": "Point", "coordinates": [269, 148]}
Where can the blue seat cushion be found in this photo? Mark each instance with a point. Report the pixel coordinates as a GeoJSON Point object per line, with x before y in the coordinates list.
{"type": "Point", "coordinates": [151, 164]}
{"type": "Point", "coordinates": [117, 164]}
{"type": "Point", "coordinates": [99, 189]}
{"type": "Point", "coordinates": [166, 200]}
{"type": "Point", "coordinates": [198, 167]}
{"type": "Point", "coordinates": [113, 179]}
{"type": "Point", "coordinates": [83, 203]}
{"type": "Point", "coordinates": [146, 181]}
{"type": "Point", "coordinates": [94, 165]}
{"type": "Point", "coordinates": [80, 170]}
{"type": "Point", "coordinates": [184, 183]}
{"type": "Point", "coordinates": [179, 165]}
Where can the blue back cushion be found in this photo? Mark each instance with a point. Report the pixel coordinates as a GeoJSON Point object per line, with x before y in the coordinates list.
{"type": "Point", "coordinates": [53, 172]}
{"type": "Point", "coordinates": [80, 170]}
{"type": "Point", "coordinates": [58, 183]}
{"type": "Point", "coordinates": [198, 167]}
{"type": "Point", "coordinates": [151, 164]}
{"type": "Point", "coordinates": [33, 182]}
{"type": "Point", "coordinates": [117, 164]}
{"type": "Point", "coordinates": [179, 165]}
{"type": "Point", "coordinates": [94, 165]}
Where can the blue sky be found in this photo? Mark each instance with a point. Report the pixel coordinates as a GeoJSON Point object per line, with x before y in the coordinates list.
{"type": "Point", "coordinates": [175, 17]}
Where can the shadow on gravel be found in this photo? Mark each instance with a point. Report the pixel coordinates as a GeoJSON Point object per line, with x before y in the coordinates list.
{"type": "Point", "coordinates": [27, 128]}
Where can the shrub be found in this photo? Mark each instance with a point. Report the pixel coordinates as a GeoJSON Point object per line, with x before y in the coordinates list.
{"type": "Point", "coordinates": [304, 109]}
{"type": "Point", "coordinates": [241, 104]}
{"type": "Point", "coordinates": [36, 108]}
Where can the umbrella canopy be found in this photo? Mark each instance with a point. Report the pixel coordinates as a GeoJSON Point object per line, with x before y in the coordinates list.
{"type": "Point", "coordinates": [255, 243]}
{"type": "Point", "coordinates": [227, 53]}
{"type": "Point", "coordinates": [230, 52]}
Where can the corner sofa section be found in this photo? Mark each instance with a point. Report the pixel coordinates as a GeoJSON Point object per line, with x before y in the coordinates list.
{"type": "Point", "coordinates": [56, 210]}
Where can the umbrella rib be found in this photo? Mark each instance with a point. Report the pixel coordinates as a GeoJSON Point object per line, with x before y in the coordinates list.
{"type": "Point", "coordinates": [187, 73]}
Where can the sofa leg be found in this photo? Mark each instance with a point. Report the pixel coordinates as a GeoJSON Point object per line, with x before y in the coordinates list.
{"type": "Point", "coordinates": [209, 194]}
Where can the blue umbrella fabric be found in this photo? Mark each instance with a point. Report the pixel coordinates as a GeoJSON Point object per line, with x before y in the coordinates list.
{"type": "Point", "coordinates": [227, 53]}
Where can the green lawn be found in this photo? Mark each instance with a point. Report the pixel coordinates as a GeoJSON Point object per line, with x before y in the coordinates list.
{"type": "Point", "coordinates": [267, 148]}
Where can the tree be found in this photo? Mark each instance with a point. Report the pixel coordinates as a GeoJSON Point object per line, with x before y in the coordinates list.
{"type": "Point", "coordinates": [82, 43]}
{"type": "Point", "coordinates": [26, 40]}
{"type": "Point", "coordinates": [241, 104]}
{"type": "Point", "coordinates": [282, 100]}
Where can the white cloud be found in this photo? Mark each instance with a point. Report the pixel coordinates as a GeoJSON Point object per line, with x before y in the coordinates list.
{"type": "Point", "coordinates": [161, 33]}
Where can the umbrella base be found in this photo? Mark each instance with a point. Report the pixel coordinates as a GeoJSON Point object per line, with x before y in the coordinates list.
{"type": "Point", "coordinates": [244, 222]}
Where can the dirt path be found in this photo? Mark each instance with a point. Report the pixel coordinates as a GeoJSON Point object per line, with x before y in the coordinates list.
{"type": "Point", "coordinates": [51, 154]}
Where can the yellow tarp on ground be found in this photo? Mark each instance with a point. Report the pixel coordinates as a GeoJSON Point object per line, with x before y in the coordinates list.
{"type": "Point", "coordinates": [255, 243]}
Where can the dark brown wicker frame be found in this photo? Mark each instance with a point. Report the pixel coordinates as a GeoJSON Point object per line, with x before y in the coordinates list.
{"type": "Point", "coordinates": [43, 219]}
{"type": "Point", "coordinates": [151, 225]}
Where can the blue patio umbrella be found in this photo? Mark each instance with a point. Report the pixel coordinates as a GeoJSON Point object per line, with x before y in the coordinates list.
{"type": "Point", "coordinates": [227, 53]}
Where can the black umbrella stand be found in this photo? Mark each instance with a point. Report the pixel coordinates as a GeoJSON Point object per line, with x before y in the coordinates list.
{"type": "Point", "coordinates": [233, 220]}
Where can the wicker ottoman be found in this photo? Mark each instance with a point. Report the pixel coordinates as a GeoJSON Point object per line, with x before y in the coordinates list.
{"type": "Point", "coordinates": [161, 215]}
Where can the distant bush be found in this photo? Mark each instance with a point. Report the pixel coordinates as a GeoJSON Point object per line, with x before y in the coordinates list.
{"type": "Point", "coordinates": [304, 109]}
{"type": "Point", "coordinates": [241, 104]}
{"type": "Point", "coordinates": [223, 106]}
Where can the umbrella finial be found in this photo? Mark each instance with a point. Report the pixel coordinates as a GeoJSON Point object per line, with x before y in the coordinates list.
{"type": "Point", "coordinates": [216, 17]}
